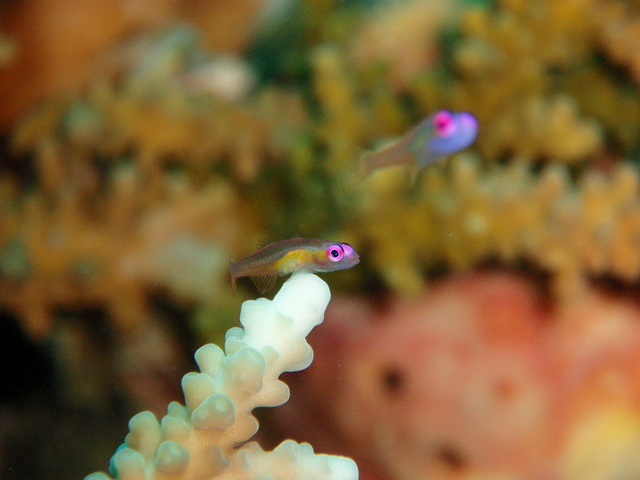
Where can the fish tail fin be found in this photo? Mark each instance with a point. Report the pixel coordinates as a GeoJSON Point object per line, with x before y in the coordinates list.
{"type": "Point", "coordinates": [413, 176]}
{"type": "Point", "coordinates": [362, 171]}
{"type": "Point", "coordinates": [351, 180]}
{"type": "Point", "coordinates": [233, 277]}
{"type": "Point", "coordinates": [425, 158]}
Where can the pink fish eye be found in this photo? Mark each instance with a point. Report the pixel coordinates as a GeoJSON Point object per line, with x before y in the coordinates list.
{"type": "Point", "coordinates": [335, 253]}
{"type": "Point", "coordinates": [443, 123]}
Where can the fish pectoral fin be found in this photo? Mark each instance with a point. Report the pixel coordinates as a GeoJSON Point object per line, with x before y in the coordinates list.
{"type": "Point", "coordinates": [413, 176]}
{"type": "Point", "coordinates": [350, 181]}
{"type": "Point", "coordinates": [264, 282]}
{"type": "Point", "coordinates": [425, 158]}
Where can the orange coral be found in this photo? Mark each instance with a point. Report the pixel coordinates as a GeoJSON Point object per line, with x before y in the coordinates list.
{"type": "Point", "coordinates": [70, 37]}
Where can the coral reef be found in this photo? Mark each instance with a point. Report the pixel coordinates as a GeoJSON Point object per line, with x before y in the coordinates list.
{"type": "Point", "coordinates": [60, 252]}
{"type": "Point", "coordinates": [150, 163]}
{"type": "Point", "coordinates": [171, 116]}
{"type": "Point", "coordinates": [199, 440]}
{"type": "Point", "coordinates": [505, 61]}
{"type": "Point", "coordinates": [7, 50]}
{"type": "Point", "coordinates": [72, 39]}
{"type": "Point", "coordinates": [476, 378]}
{"type": "Point", "coordinates": [618, 33]}
{"type": "Point", "coordinates": [462, 216]}
{"type": "Point", "coordinates": [90, 239]}
{"type": "Point", "coordinates": [400, 38]}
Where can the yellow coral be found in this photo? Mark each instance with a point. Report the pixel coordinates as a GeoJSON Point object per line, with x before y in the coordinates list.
{"type": "Point", "coordinates": [507, 60]}
{"type": "Point", "coordinates": [604, 445]}
{"type": "Point", "coordinates": [467, 216]}
{"type": "Point", "coordinates": [619, 33]}
{"type": "Point", "coordinates": [402, 37]}
{"type": "Point", "coordinates": [74, 252]}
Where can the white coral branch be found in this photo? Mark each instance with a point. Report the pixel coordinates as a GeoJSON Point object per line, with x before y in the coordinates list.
{"type": "Point", "coordinates": [196, 441]}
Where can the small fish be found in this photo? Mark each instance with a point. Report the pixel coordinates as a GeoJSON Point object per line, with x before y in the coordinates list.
{"type": "Point", "coordinates": [288, 256]}
{"type": "Point", "coordinates": [441, 134]}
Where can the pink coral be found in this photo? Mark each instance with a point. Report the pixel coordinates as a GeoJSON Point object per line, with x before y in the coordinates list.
{"type": "Point", "coordinates": [475, 379]}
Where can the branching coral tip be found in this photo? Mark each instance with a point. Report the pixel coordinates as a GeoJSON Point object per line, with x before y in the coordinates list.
{"type": "Point", "coordinates": [199, 440]}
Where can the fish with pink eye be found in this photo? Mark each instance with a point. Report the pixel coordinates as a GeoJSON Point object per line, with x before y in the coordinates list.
{"type": "Point", "coordinates": [438, 135]}
{"type": "Point", "coordinates": [292, 255]}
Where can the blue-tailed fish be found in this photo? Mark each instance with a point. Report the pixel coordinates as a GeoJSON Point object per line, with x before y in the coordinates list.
{"type": "Point", "coordinates": [440, 134]}
{"type": "Point", "coordinates": [288, 256]}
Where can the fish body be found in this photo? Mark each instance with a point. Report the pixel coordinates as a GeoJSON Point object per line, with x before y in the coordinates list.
{"type": "Point", "coordinates": [440, 134]}
{"type": "Point", "coordinates": [288, 256]}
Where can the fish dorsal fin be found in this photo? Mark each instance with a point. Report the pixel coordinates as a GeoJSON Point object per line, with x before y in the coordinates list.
{"type": "Point", "coordinates": [267, 241]}
{"type": "Point", "coordinates": [350, 181]}
{"type": "Point", "coordinates": [264, 282]}
{"type": "Point", "coordinates": [264, 242]}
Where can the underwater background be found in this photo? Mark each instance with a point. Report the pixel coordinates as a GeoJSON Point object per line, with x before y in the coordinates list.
{"type": "Point", "coordinates": [492, 327]}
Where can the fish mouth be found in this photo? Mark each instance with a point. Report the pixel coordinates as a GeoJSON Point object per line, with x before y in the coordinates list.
{"type": "Point", "coordinates": [469, 120]}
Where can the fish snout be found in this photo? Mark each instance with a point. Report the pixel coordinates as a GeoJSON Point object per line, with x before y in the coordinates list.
{"type": "Point", "coordinates": [468, 120]}
{"type": "Point", "coordinates": [350, 255]}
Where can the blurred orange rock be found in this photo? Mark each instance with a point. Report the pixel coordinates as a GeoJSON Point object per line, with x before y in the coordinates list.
{"type": "Point", "coordinates": [59, 43]}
